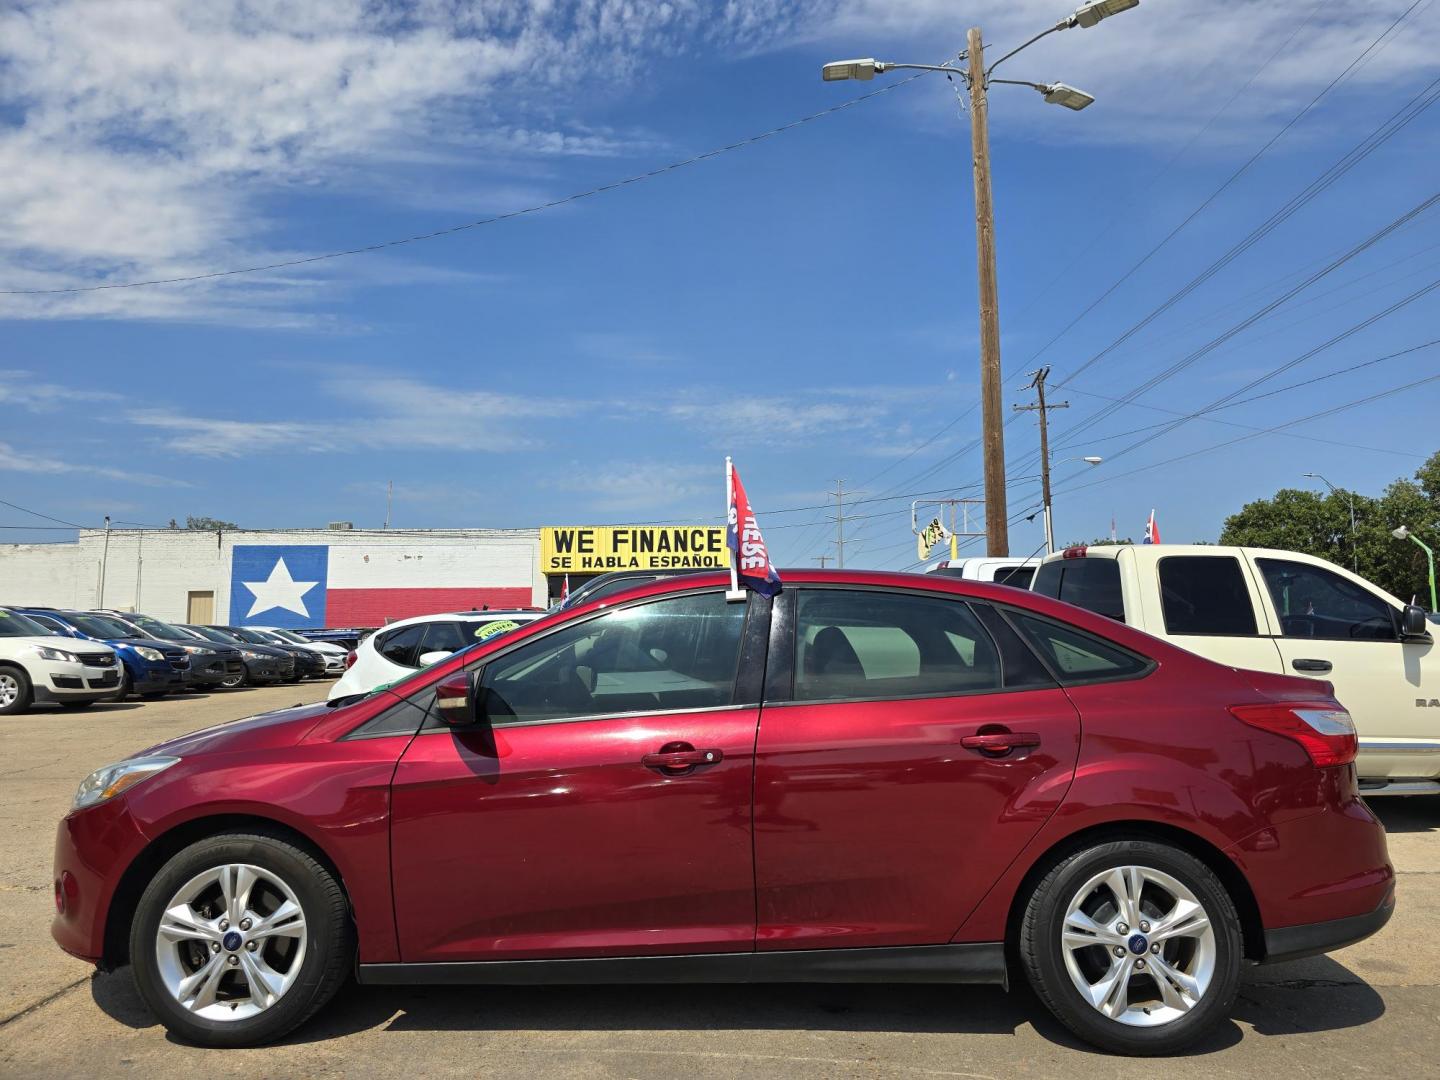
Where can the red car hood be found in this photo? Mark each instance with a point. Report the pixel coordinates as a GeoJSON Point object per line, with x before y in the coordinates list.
{"type": "Point", "coordinates": [283, 727]}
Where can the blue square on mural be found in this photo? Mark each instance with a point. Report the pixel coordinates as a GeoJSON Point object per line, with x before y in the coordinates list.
{"type": "Point", "coordinates": [278, 584]}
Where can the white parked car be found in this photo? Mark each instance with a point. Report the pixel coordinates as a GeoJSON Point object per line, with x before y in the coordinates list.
{"type": "Point", "coordinates": [334, 655]}
{"type": "Point", "coordinates": [403, 647]}
{"type": "Point", "coordinates": [1283, 612]}
{"type": "Point", "coordinates": [36, 665]}
{"type": "Point", "coordinates": [1002, 571]}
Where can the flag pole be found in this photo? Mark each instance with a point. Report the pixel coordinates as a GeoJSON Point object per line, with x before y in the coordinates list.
{"type": "Point", "coordinates": [734, 592]}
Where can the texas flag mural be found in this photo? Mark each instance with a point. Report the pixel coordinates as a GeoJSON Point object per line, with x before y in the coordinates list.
{"type": "Point", "coordinates": [316, 585]}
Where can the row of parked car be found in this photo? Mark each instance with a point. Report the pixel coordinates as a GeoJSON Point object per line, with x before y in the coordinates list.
{"type": "Point", "coordinates": [76, 658]}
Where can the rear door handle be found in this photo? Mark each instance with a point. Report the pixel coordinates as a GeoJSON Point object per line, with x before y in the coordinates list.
{"type": "Point", "coordinates": [1319, 666]}
{"type": "Point", "coordinates": [1000, 742]}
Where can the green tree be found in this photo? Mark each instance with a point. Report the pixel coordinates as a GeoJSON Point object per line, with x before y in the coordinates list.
{"type": "Point", "coordinates": [209, 524]}
{"type": "Point", "coordinates": [1306, 521]}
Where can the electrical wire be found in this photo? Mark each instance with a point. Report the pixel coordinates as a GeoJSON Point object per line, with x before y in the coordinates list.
{"type": "Point", "coordinates": [37, 513]}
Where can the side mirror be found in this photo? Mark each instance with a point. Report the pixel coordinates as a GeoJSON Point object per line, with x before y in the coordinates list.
{"type": "Point", "coordinates": [426, 659]}
{"type": "Point", "coordinates": [1413, 624]}
{"type": "Point", "coordinates": [455, 701]}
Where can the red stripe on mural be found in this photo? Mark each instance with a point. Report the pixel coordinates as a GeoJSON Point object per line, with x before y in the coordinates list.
{"type": "Point", "coordinates": [376, 607]}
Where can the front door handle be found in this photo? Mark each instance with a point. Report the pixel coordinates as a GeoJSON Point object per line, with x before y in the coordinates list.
{"type": "Point", "coordinates": [1000, 742]}
{"type": "Point", "coordinates": [1317, 666]}
{"type": "Point", "coordinates": [681, 756]}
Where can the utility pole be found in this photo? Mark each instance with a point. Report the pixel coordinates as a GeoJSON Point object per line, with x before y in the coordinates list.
{"type": "Point", "coordinates": [997, 526]}
{"type": "Point", "coordinates": [389, 491]}
{"type": "Point", "coordinates": [1037, 383]}
{"type": "Point", "coordinates": [104, 558]}
{"type": "Point", "coordinates": [822, 560]}
{"type": "Point", "coordinates": [839, 494]}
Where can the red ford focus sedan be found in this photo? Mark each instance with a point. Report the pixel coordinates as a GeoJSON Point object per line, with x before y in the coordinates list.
{"type": "Point", "coordinates": [871, 777]}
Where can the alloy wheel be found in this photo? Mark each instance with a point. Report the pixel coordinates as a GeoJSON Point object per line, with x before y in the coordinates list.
{"type": "Point", "coordinates": [231, 942]}
{"type": "Point", "coordinates": [1138, 946]}
{"type": "Point", "coordinates": [9, 689]}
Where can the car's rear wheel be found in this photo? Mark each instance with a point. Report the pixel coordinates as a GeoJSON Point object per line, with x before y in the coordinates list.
{"type": "Point", "coordinates": [240, 939]}
{"type": "Point", "coordinates": [15, 692]}
{"type": "Point", "coordinates": [1134, 945]}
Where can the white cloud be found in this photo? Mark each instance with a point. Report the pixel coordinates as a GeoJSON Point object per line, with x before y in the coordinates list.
{"type": "Point", "coordinates": [25, 390]}
{"type": "Point", "coordinates": [13, 460]}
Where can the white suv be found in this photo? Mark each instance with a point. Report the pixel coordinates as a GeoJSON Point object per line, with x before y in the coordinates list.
{"type": "Point", "coordinates": [38, 666]}
{"type": "Point", "coordinates": [407, 645]}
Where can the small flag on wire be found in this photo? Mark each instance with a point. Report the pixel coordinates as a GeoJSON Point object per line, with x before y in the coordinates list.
{"type": "Point", "coordinates": [565, 590]}
{"type": "Point", "coordinates": [1152, 531]}
{"type": "Point", "coordinates": [750, 563]}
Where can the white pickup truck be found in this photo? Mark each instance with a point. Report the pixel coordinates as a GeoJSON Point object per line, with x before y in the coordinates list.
{"type": "Point", "coordinates": [1281, 611]}
{"type": "Point", "coordinates": [1002, 571]}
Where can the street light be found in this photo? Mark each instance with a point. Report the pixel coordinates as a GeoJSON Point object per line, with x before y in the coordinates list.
{"type": "Point", "coordinates": [1402, 533]}
{"type": "Point", "coordinates": [977, 79]}
{"type": "Point", "coordinates": [1350, 496]}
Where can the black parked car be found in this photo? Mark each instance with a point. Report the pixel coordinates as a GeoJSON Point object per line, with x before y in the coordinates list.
{"type": "Point", "coordinates": [213, 664]}
{"type": "Point", "coordinates": [263, 665]}
{"type": "Point", "coordinates": [307, 661]}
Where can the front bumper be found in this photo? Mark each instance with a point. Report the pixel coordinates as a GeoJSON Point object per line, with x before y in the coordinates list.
{"type": "Point", "coordinates": [92, 849]}
{"type": "Point", "coordinates": [1312, 939]}
{"type": "Point", "coordinates": [65, 681]}
{"type": "Point", "coordinates": [214, 670]}
{"type": "Point", "coordinates": [270, 669]}
{"type": "Point", "coordinates": [157, 676]}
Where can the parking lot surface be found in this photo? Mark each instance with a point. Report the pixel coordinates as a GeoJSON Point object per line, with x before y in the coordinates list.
{"type": "Point", "coordinates": [1369, 1010]}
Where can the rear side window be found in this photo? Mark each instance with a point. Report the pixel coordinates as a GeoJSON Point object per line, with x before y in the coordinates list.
{"type": "Point", "coordinates": [1206, 594]}
{"type": "Point", "coordinates": [1078, 657]}
{"type": "Point", "coordinates": [865, 645]}
{"type": "Point", "coordinates": [1018, 577]}
{"type": "Point", "coordinates": [399, 646]}
{"type": "Point", "coordinates": [444, 637]}
{"type": "Point", "coordinates": [1093, 584]}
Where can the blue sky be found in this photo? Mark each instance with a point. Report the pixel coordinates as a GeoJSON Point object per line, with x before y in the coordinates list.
{"type": "Point", "coordinates": [806, 304]}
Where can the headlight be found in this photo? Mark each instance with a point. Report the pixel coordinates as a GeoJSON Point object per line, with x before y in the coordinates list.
{"type": "Point", "coordinates": [198, 650]}
{"type": "Point", "coordinates": [148, 653]}
{"type": "Point", "coordinates": [251, 654]}
{"type": "Point", "coordinates": [104, 784]}
{"type": "Point", "coordinates": [47, 653]}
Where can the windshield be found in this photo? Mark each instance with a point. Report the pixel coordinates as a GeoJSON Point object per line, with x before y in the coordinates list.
{"type": "Point", "coordinates": [244, 633]}
{"type": "Point", "coordinates": [13, 624]}
{"type": "Point", "coordinates": [102, 626]}
{"type": "Point", "coordinates": [288, 636]}
{"type": "Point", "coordinates": [156, 628]}
{"type": "Point", "coordinates": [210, 633]}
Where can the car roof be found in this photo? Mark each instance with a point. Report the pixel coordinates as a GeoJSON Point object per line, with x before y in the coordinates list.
{"type": "Point", "coordinates": [468, 616]}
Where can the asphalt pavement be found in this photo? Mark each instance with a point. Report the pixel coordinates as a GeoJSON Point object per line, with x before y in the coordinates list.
{"type": "Point", "coordinates": [1371, 1010]}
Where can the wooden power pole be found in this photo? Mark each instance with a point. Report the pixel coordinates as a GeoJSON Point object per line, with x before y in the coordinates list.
{"type": "Point", "coordinates": [997, 527]}
{"type": "Point", "coordinates": [1038, 385]}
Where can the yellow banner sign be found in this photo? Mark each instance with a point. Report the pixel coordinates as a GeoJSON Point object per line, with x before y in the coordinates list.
{"type": "Point", "coordinates": [596, 549]}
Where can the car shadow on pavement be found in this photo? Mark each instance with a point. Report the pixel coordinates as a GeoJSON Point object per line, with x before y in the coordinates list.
{"type": "Point", "coordinates": [1418, 813]}
{"type": "Point", "coordinates": [1320, 995]}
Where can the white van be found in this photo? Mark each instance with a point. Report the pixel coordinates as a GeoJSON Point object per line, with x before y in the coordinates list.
{"type": "Point", "coordinates": [1284, 612]}
{"type": "Point", "coordinates": [1002, 571]}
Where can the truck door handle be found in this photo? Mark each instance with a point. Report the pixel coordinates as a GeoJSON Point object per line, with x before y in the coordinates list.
{"type": "Point", "coordinates": [1000, 742]}
{"type": "Point", "coordinates": [681, 756]}
{"type": "Point", "coordinates": [1318, 666]}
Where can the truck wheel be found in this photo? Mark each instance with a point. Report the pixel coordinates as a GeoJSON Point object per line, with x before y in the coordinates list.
{"type": "Point", "coordinates": [240, 939]}
{"type": "Point", "coordinates": [15, 693]}
{"type": "Point", "coordinates": [1134, 945]}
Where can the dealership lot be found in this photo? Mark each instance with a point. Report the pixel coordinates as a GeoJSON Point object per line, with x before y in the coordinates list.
{"type": "Point", "coordinates": [1365, 1009]}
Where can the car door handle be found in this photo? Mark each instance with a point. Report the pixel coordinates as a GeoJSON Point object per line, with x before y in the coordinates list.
{"type": "Point", "coordinates": [687, 758]}
{"type": "Point", "coordinates": [1319, 666]}
{"type": "Point", "coordinates": [1000, 742]}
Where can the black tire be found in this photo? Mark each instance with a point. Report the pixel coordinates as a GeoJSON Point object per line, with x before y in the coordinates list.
{"type": "Point", "coordinates": [76, 704]}
{"type": "Point", "coordinates": [234, 682]}
{"type": "Point", "coordinates": [24, 694]}
{"type": "Point", "coordinates": [329, 950]}
{"type": "Point", "coordinates": [1043, 956]}
{"type": "Point", "coordinates": [127, 687]}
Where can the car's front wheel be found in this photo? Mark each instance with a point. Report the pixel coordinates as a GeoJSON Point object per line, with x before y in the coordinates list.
{"type": "Point", "coordinates": [1134, 945]}
{"type": "Point", "coordinates": [240, 939]}
{"type": "Point", "coordinates": [15, 693]}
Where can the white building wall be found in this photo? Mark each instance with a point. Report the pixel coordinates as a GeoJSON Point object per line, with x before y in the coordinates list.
{"type": "Point", "coordinates": [155, 570]}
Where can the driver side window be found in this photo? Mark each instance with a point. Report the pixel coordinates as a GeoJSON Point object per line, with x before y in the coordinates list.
{"type": "Point", "coordinates": [1314, 602]}
{"type": "Point", "coordinates": [671, 655]}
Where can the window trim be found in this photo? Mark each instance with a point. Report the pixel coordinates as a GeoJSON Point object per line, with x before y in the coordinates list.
{"type": "Point", "coordinates": [1244, 582]}
{"type": "Point", "coordinates": [475, 670]}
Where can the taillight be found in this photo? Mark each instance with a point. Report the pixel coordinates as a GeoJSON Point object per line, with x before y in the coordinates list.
{"type": "Point", "coordinates": [1327, 733]}
{"type": "Point", "coordinates": [1076, 552]}
{"type": "Point", "coordinates": [349, 659]}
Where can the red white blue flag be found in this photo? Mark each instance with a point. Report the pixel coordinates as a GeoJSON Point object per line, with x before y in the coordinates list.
{"type": "Point", "coordinates": [1152, 531]}
{"type": "Point", "coordinates": [750, 563]}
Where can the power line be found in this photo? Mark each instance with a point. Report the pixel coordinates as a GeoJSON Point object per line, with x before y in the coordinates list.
{"type": "Point", "coordinates": [37, 513]}
{"type": "Point", "coordinates": [451, 230]}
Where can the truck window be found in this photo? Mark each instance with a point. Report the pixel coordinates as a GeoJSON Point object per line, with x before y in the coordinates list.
{"type": "Point", "coordinates": [1093, 584]}
{"type": "Point", "coordinates": [1205, 594]}
{"type": "Point", "coordinates": [1017, 576]}
{"type": "Point", "coordinates": [1313, 602]}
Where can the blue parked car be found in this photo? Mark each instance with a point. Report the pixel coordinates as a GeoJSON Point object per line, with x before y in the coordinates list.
{"type": "Point", "coordinates": [152, 668]}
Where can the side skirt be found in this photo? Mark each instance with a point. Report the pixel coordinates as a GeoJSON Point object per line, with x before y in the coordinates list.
{"type": "Point", "coordinates": [977, 963]}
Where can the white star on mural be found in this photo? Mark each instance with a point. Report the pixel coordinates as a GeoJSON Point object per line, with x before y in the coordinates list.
{"type": "Point", "coordinates": [279, 591]}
